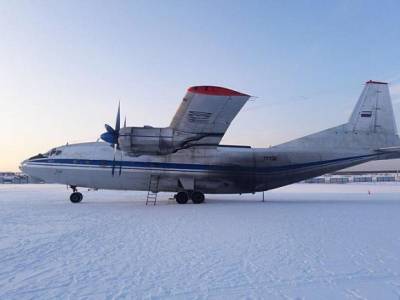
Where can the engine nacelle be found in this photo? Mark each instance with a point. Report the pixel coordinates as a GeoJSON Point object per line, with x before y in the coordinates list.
{"type": "Point", "coordinates": [147, 140]}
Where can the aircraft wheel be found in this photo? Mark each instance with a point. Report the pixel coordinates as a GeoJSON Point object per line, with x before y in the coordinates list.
{"type": "Point", "coordinates": [76, 197]}
{"type": "Point", "coordinates": [182, 197]}
{"type": "Point", "coordinates": [197, 197]}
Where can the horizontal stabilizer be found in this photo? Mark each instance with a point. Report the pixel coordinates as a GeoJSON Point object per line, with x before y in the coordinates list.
{"type": "Point", "coordinates": [389, 149]}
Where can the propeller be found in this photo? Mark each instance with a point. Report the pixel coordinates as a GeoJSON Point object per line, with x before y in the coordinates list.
{"type": "Point", "coordinates": [111, 136]}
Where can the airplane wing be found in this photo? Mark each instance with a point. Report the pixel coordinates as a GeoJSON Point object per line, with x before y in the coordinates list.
{"type": "Point", "coordinates": [206, 112]}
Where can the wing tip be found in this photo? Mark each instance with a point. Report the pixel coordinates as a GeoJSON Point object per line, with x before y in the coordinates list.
{"type": "Point", "coordinates": [214, 90]}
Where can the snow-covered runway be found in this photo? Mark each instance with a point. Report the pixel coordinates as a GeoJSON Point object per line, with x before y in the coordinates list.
{"type": "Point", "coordinates": [305, 241]}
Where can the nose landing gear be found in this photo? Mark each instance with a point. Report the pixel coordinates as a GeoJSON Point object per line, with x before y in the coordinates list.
{"type": "Point", "coordinates": [75, 197]}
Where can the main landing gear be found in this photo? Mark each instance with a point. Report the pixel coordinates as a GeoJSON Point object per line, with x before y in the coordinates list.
{"type": "Point", "coordinates": [183, 197]}
{"type": "Point", "coordinates": [75, 197]}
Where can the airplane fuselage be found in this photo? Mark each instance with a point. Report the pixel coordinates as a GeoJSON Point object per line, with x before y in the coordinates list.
{"type": "Point", "coordinates": [224, 170]}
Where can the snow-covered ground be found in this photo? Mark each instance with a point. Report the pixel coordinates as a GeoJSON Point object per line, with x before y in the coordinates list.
{"type": "Point", "coordinates": [307, 241]}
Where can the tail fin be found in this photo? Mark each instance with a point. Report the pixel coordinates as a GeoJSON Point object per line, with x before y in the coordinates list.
{"type": "Point", "coordinates": [371, 127]}
{"type": "Point", "coordinates": [373, 112]}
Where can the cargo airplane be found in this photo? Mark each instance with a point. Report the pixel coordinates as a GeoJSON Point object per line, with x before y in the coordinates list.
{"type": "Point", "coordinates": [187, 158]}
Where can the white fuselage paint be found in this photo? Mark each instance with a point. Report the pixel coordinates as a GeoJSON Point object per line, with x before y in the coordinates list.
{"type": "Point", "coordinates": [213, 170]}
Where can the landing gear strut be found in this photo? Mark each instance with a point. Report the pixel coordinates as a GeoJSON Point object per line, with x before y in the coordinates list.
{"type": "Point", "coordinates": [183, 197]}
{"type": "Point", "coordinates": [75, 197]}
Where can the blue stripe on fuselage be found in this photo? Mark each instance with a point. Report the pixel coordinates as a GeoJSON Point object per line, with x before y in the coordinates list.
{"type": "Point", "coordinates": [189, 167]}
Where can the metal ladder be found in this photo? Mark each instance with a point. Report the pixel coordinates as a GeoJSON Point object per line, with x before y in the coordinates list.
{"type": "Point", "coordinates": [153, 190]}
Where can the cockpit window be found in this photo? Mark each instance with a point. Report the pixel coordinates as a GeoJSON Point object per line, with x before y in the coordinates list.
{"type": "Point", "coordinates": [40, 155]}
{"type": "Point", "coordinates": [52, 152]}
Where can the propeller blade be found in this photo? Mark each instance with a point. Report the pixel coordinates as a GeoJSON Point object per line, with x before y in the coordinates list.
{"type": "Point", "coordinates": [108, 137]}
{"type": "Point", "coordinates": [120, 165]}
{"type": "Point", "coordinates": [113, 165]}
{"type": "Point", "coordinates": [111, 135]}
{"type": "Point", "coordinates": [118, 121]}
{"type": "Point", "coordinates": [109, 128]}
{"type": "Point", "coordinates": [125, 122]}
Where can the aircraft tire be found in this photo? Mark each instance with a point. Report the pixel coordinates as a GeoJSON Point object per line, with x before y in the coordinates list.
{"type": "Point", "coordinates": [182, 197]}
{"type": "Point", "coordinates": [197, 197]}
{"type": "Point", "coordinates": [76, 197]}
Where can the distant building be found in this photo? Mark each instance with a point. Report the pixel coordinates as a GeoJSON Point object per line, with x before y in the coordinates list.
{"type": "Point", "coordinates": [7, 177]}
{"type": "Point", "coordinates": [339, 180]}
{"type": "Point", "coordinates": [374, 167]}
{"type": "Point", "coordinates": [385, 178]}
{"type": "Point", "coordinates": [16, 178]}
{"type": "Point", "coordinates": [315, 180]}
{"type": "Point", "coordinates": [362, 179]}
{"type": "Point", "coordinates": [365, 178]}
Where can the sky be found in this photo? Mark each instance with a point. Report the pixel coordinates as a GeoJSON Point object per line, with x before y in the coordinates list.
{"type": "Point", "coordinates": [64, 65]}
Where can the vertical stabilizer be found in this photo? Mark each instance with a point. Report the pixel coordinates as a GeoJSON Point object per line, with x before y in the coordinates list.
{"type": "Point", "coordinates": [374, 112]}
